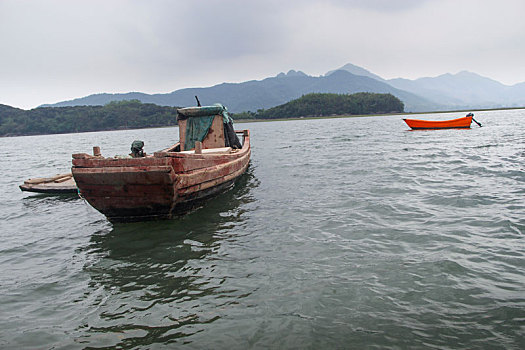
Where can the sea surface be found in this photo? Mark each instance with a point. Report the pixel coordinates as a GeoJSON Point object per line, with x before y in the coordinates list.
{"type": "Point", "coordinates": [350, 233]}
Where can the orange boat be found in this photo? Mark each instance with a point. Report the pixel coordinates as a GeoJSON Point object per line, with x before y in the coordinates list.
{"type": "Point", "coordinates": [459, 123]}
{"type": "Point", "coordinates": [207, 160]}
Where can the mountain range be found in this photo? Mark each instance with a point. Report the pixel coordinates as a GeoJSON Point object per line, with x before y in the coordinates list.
{"type": "Point", "coordinates": [464, 90]}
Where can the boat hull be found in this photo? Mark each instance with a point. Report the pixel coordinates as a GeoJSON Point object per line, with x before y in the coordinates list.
{"type": "Point", "coordinates": [459, 123]}
{"type": "Point", "coordinates": [161, 186]}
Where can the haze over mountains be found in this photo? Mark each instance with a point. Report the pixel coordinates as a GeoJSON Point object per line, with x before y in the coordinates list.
{"type": "Point", "coordinates": [464, 90]}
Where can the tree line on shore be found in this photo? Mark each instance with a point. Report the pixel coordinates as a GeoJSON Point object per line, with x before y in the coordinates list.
{"type": "Point", "coordinates": [133, 114]}
{"type": "Point", "coordinates": [326, 104]}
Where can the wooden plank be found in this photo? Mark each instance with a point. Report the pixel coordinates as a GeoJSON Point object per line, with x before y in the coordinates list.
{"type": "Point", "coordinates": [188, 165]}
{"type": "Point", "coordinates": [145, 191]}
{"type": "Point", "coordinates": [35, 181]}
{"type": "Point", "coordinates": [120, 162]}
{"type": "Point", "coordinates": [183, 163]}
{"type": "Point", "coordinates": [137, 204]}
{"type": "Point", "coordinates": [135, 169]}
{"type": "Point", "coordinates": [123, 175]}
{"type": "Point", "coordinates": [225, 150]}
{"type": "Point", "coordinates": [234, 153]}
{"type": "Point", "coordinates": [67, 186]}
{"type": "Point", "coordinates": [202, 186]}
{"type": "Point", "coordinates": [170, 148]}
{"type": "Point", "coordinates": [182, 133]}
{"type": "Point", "coordinates": [214, 138]}
{"type": "Point", "coordinates": [211, 173]}
{"type": "Point", "coordinates": [63, 179]}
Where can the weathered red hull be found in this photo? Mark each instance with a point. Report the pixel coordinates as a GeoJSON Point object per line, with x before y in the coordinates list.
{"type": "Point", "coordinates": [159, 186]}
{"type": "Point", "coordinates": [459, 123]}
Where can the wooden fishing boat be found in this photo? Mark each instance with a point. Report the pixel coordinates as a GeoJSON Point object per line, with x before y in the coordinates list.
{"type": "Point", "coordinates": [459, 123]}
{"type": "Point", "coordinates": [169, 182]}
{"type": "Point", "coordinates": [58, 184]}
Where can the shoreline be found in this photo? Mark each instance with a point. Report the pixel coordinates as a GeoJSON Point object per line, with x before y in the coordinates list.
{"type": "Point", "coordinates": [373, 115]}
{"type": "Point", "coordinates": [240, 121]}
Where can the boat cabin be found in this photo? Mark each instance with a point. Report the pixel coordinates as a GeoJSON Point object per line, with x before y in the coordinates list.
{"type": "Point", "coordinates": [205, 128]}
{"type": "Point", "coordinates": [214, 137]}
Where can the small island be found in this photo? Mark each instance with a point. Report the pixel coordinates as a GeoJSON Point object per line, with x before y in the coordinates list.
{"type": "Point", "coordinates": [327, 104]}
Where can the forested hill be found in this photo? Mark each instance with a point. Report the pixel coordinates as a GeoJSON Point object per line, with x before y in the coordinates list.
{"type": "Point", "coordinates": [57, 120]}
{"type": "Point", "coordinates": [134, 114]}
{"type": "Point", "coordinates": [317, 105]}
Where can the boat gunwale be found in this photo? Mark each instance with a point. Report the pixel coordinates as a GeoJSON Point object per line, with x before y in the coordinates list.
{"type": "Point", "coordinates": [84, 160]}
{"type": "Point", "coordinates": [438, 121]}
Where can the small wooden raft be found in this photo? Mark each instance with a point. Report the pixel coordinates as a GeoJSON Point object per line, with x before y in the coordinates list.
{"type": "Point", "coordinates": [62, 183]}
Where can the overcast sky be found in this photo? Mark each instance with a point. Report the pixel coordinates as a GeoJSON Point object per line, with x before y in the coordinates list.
{"type": "Point", "coordinates": [58, 50]}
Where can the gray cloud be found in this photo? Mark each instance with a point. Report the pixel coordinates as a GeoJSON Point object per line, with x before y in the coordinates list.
{"type": "Point", "coordinates": [381, 5]}
{"type": "Point", "coordinates": [225, 29]}
{"type": "Point", "coordinates": [59, 49]}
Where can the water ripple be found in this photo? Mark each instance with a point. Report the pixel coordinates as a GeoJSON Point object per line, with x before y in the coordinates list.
{"type": "Point", "coordinates": [344, 233]}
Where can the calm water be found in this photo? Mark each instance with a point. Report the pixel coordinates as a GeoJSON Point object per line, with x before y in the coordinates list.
{"type": "Point", "coordinates": [344, 233]}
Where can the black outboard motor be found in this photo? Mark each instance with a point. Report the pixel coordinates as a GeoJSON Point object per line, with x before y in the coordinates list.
{"type": "Point", "coordinates": [137, 149]}
{"type": "Point", "coordinates": [474, 120]}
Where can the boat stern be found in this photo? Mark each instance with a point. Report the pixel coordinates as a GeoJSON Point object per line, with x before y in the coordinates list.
{"type": "Point", "coordinates": [126, 190]}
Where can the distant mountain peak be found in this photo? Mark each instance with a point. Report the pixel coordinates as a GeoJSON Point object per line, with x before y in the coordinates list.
{"type": "Point", "coordinates": [468, 74]}
{"type": "Point", "coordinates": [292, 73]}
{"type": "Point", "coordinates": [464, 89]}
{"type": "Point", "coordinates": [460, 74]}
{"type": "Point", "coordinates": [356, 70]}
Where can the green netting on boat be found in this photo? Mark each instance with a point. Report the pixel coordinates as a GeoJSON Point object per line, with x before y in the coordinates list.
{"type": "Point", "coordinates": [196, 130]}
{"type": "Point", "coordinates": [199, 121]}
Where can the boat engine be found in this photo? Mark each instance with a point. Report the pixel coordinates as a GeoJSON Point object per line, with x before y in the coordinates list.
{"type": "Point", "coordinates": [137, 149]}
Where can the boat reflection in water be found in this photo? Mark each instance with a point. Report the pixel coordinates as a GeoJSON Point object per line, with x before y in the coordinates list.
{"type": "Point", "coordinates": [161, 280]}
